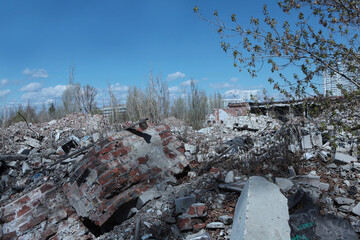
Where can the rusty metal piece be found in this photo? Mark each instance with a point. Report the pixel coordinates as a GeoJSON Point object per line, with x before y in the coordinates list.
{"type": "Point", "coordinates": [143, 125]}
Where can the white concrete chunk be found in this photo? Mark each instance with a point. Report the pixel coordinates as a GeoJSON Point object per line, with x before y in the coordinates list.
{"type": "Point", "coordinates": [284, 184]}
{"type": "Point", "coordinates": [261, 212]}
{"type": "Point", "coordinates": [342, 158]}
{"type": "Point", "coordinates": [306, 142]}
{"type": "Point", "coordinates": [356, 209]}
{"type": "Point", "coordinates": [229, 177]}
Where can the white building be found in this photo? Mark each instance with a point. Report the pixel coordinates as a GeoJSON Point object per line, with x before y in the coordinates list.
{"type": "Point", "coordinates": [331, 82]}
{"type": "Point", "coordinates": [239, 96]}
{"type": "Point", "coordinates": [110, 110]}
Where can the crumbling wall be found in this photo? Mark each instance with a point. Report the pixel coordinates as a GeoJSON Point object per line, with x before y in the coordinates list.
{"type": "Point", "coordinates": [118, 169]}
{"type": "Point", "coordinates": [43, 213]}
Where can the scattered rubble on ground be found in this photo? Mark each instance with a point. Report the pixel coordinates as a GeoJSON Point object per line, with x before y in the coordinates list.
{"type": "Point", "coordinates": [82, 178]}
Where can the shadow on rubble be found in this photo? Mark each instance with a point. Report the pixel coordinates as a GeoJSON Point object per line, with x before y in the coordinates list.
{"type": "Point", "coordinates": [306, 222]}
{"type": "Point", "coordinates": [119, 216]}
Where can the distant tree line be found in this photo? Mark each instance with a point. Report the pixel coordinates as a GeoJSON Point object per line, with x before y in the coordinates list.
{"type": "Point", "coordinates": [153, 102]}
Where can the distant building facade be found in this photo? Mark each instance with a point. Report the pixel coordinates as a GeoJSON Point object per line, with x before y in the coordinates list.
{"type": "Point", "coordinates": [331, 82]}
{"type": "Point", "coordinates": [109, 111]}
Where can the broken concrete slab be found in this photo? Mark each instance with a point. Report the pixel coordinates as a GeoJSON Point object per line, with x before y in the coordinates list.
{"type": "Point", "coordinates": [261, 212]}
{"type": "Point", "coordinates": [284, 184]}
{"type": "Point", "coordinates": [356, 209]}
{"type": "Point", "coordinates": [344, 200]}
{"type": "Point", "coordinates": [146, 197]}
{"type": "Point", "coordinates": [215, 225]}
{"type": "Point", "coordinates": [342, 158]}
{"type": "Point", "coordinates": [183, 203]}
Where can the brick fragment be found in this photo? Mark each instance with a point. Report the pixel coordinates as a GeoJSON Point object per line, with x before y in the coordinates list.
{"type": "Point", "coordinates": [45, 187]}
{"type": "Point", "coordinates": [8, 236]}
{"type": "Point", "coordinates": [23, 210]}
{"type": "Point", "coordinates": [33, 222]}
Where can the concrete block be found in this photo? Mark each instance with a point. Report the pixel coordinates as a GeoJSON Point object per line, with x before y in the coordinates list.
{"type": "Point", "coordinates": [284, 184]}
{"type": "Point", "coordinates": [183, 203]}
{"type": "Point", "coordinates": [229, 177]}
{"type": "Point", "coordinates": [146, 197]}
{"type": "Point", "coordinates": [342, 158]}
{"type": "Point", "coordinates": [261, 212]}
{"type": "Point", "coordinates": [356, 209]}
{"type": "Point", "coordinates": [306, 142]}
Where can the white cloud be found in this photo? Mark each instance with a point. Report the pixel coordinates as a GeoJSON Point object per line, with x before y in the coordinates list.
{"type": "Point", "coordinates": [205, 79]}
{"type": "Point", "coordinates": [35, 73]}
{"type": "Point", "coordinates": [234, 79]}
{"type": "Point", "coordinates": [174, 89]}
{"type": "Point", "coordinates": [188, 82]}
{"type": "Point", "coordinates": [175, 76]}
{"type": "Point", "coordinates": [220, 85]}
{"type": "Point", "coordinates": [31, 87]}
{"type": "Point", "coordinates": [4, 81]}
{"type": "Point", "coordinates": [246, 95]}
{"type": "Point", "coordinates": [45, 94]}
{"type": "Point", "coordinates": [117, 87]}
{"type": "Point", "coordinates": [5, 92]}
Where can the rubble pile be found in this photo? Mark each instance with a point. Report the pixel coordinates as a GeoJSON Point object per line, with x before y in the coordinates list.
{"type": "Point", "coordinates": [81, 178]}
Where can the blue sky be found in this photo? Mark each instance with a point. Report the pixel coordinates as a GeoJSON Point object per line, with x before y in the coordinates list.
{"type": "Point", "coordinates": [116, 43]}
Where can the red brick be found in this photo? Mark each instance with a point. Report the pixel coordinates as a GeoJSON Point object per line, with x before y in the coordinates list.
{"type": "Point", "coordinates": [84, 188]}
{"type": "Point", "coordinates": [11, 235]}
{"type": "Point", "coordinates": [33, 222]}
{"type": "Point", "coordinates": [94, 162]}
{"type": "Point", "coordinates": [107, 149]}
{"type": "Point", "coordinates": [54, 238]}
{"type": "Point", "coordinates": [107, 176]}
{"type": "Point", "coordinates": [120, 152]}
{"type": "Point", "coordinates": [184, 224]}
{"type": "Point", "coordinates": [167, 141]}
{"type": "Point", "coordinates": [23, 200]}
{"type": "Point", "coordinates": [134, 172]}
{"type": "Point", "coordinates": [191, 210]}
{"type": "Point", "coordinates": [45, 187]}
{"type": "Point", "coordinates": [165, 134]}
{"type": "Point", "coordinates": [156, 170]}
{"type": "Point", "coordinates": [106, 156]}
{"type": "Point", "coordinates": [199, 226]}
{"type": "Point", "coordinates": [66, 187]}
{"type": "Point", "coordinates": [143, 160]}
{"type": "Point", "coordinates": [181, 149]}
{"type": "Point", "coordinates": [23, 210]}
{"type": "Point", "coordinates": [168, 153]}
{"type": "Point", "coordinates": [48, 232]}
{"type": "Point", "coordinates": [102, 169]}
{"type": "Point", "coordinates": [8, 218]}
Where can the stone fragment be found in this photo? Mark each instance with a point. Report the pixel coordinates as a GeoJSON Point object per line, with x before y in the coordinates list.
{"type": "Point", "coordinates": [13, 173]}
{"type": "Point", "coordinates": [184, 222]}
{"type": "Point", "coordinates": [261, 212]}
{"type": "Point", "coordinates": [132, 212]}
{"type": "Point", "coordinates": [146, 197]}
{"type": "Point", "coordinates": [292, 171]}
{"type": "Point", "coordinates": [342, 158]}
{"type": "Point", "coordinates": [332, 166]}
{"type": "Point", "coordinates": [344, 200]}
{"type": "Point", "coordinates": [190, 148]}
{"type": "Point", "coordinates": [25, 168]}
{"type": "Point", "coordinates": [183, 203]}
{"type": "Point", "coordinates": [201, 235]}
{"type": "Point", "coordinates": [229, 177]}
{"type": "Point", "coordinates": [306, 142]}
{"type": "Point", "coordinates": [310, 179]}
{"type": "Point", "coordinates": [96, 137]}
{"type": "Point", "coordinates": [197, 210]}
{"type": "Point", "coordinates": [32, 142]}
{"type": "Point", "coordinates": [284, 184]}
{"type": "Point", "coordinates": [225, 219]}
{"type": "Point", "coordinates": [324, 186]}
{"type": "Point", "coordinates": [356, 209]}
{"type": "Point", "coordinates": [316, 139]}
{"type": "Point", "coordinates": [215, 225]}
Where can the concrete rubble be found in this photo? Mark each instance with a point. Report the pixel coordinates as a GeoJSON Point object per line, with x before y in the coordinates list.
{"type": "Point", "coordinates": [81, 177]}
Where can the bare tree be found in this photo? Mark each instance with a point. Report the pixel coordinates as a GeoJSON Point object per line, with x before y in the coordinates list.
{"type": "Point", "coordinates": [88, 95]}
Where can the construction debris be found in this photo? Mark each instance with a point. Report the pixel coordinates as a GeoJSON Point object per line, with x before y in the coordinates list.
{"type": "Point", "coordinates": [81, 177]}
